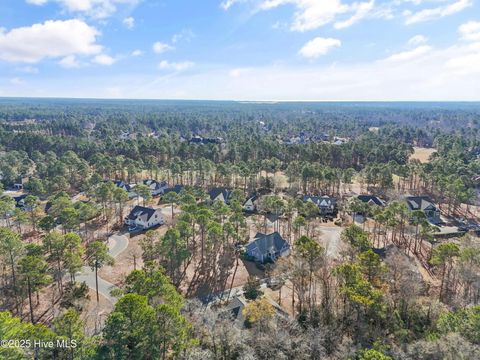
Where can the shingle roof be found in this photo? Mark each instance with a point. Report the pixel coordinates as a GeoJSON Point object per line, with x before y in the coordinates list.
{"type": "Point", "coordinates": [419, 202]}
{"type": "Point", "coordinates": [176, 188]}
{"type": "Point", "coordinates": [157, 184]}
{"type": "Point", "coordinates": [266, 244]}
{"type": "Point", "coordinates": [19, 198]}
{"type": "Point", "coordinates": [121, 184]}
{"type": "Point", "coordinates": [374, 199]}
{"type": "Point", "coordinates": [215, 192]}
{"type": "Point", "coordinates": [320, 200]}
{"type": "Point", "coordinates": [141, 211]}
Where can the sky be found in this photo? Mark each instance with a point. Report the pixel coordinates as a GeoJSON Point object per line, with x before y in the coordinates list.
{"type": "Point", "coordinates": [248, 50]}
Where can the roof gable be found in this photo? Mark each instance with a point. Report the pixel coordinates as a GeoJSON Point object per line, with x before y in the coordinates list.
{"type": "Point", "coordinates": [141, 213]}
{"type": "Point", "coordinates": [266, 244]}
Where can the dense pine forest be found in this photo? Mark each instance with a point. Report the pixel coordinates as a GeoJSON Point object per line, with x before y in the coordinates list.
{"type": "Point", "coordinates": [370, 213]}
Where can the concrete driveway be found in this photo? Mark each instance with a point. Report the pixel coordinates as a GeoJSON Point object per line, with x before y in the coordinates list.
{"type": "Point", "coordinates": [117, 243]}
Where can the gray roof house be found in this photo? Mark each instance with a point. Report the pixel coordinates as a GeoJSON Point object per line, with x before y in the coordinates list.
{"type": "Point", "coordinates": [144, 218]}
{"type": "Point", "coordinates": [219, 194]}
{"type": "Point", "coordinates": [176, 189]}
{"type": "Point", "coordinates": [20, 201]}
{"type": "Point", "coordinates": [234, 311]}
{"type": "Point", "coordinates": [125, 186]}
{"type": "Point", "coordinates": [425, 204]}
{"type": "Point", "coordinates": [156, 187]}
{"type": "Point", "coordinates": [326, 205]}
{"type": "Point", "coordinates": [250, 205]}
{"type": "Point", "coordinates": [371, 200]}
{"type": "Point", "coordinates": [265, 248]}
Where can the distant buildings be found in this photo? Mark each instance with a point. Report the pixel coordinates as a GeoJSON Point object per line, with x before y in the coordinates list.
{"type": "Point", "coordinates": [156, 187]}
{"type": "Point", "coordinates": [20, 182]}
{"type": "Point", "coordinates": [176, 189]}
{"type": "Point", "coordinates": [205, 140]}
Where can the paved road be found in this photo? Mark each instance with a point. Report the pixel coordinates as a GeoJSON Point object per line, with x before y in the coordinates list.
{"type": "Point", "coordinates": [117, 243]}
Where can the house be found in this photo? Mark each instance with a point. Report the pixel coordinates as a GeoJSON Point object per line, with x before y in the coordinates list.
{"type": "Point", "coordinates": [267, 248]}
{"type": "Point", "coordinates": [219, 194]}
{"type": "Point", "coordinates": [123, 185]}
{"type": "Point", "coordinates": [144, 218]}
{"type": "Point", "coordinates": [425, 204]}
{"type": "Point", "coordinates": [20, 201]}
{"type": "Point", "coordinates": [156, 187]}
{"type": "Point", "coordinates": [20, 182]}
{"type": "Point", "coordinates": [204, 140]}
{"type": "Point", "coordinates": [250, 205]}
{"type": "Point", "coordinates": [371, 200]}
{"type": "Point", "coordinates": [234, 311]}
{"type": "Point", "coordinates": [326, 205]}
{"type": "Point", "coordinates": [177, 189]}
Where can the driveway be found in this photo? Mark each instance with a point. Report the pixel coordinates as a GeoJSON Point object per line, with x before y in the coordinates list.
{"type": "Point", "coordinates": [117, 243]}
{"type": "Point", "coordinates": [331, 237]}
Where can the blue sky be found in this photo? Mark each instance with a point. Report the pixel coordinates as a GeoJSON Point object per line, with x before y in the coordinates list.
{"type": "Point", "coordinates": [241, 49]}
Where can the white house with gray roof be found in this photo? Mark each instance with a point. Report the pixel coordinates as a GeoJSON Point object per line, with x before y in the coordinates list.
{"type": "Point", "coordinates": [264, 248]}
{"type": "Point", "coordinates": [425, 204]}
{"type": "Point", "coordinates": [144, 218]}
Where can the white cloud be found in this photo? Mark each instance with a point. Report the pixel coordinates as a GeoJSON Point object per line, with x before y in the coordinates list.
{"type": "Point", "coordinates": [137, 53]}
{"type": "Point", "coordinates": [129, 22]}
{"type": "Point", "coordinates": [99, 9]}
{"type": "Point", "coordinates": [417, 40]}
{"type": "Point", "coordinates": [319, 46]}
{"type": "Point", "coordinates": [361, 11]}
{"type": "Point", "coordinates": [312, 14]}
{"type": "Point", "coordinates": [470, 31]}
{"type": "Point", "coordinates": [175, 66]}
{"type": "Point", "coordinates": [17, 81]}
{"type": "Point", "coordinates": [437, 12]}
{"type": "Point", "coordinates": [28, 69]}
{"type": "Point", "coordinates": [237, 72]}
{"type": "Point", "coordinates": [103, 59]}
{"type": "Point", "coordinates": [37, 2]}
{"type": "Point", "coordinates": [227, 4]}
{"type": "Point", "coordinates": [184, 35]}
{"type": "Point", "coordinates": [409, 54]}
{"type": "Point", "coordinates": [160, 47]}
{"type": "Point", "coordinates": [69, 62]}
{"type": "Point", "coordinates": [53, 38]}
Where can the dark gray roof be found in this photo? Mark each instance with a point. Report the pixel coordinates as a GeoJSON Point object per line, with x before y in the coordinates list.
{"type": "Point", "coordinates": [371, 198]}
{"type": "Point", "coordinates": [419, 202]}
{"type": "Point", "coordinates": [158, 184]}
{"type": "Point", "coordinates": [121, 184]}
{"type": "Point", "coordinates": [234, 310]}
{"type": "Point", "coordinates": [19, 198]}
{"type": "Point", "coordinates": [138, 211]}
{"type": "Point", "coordinates": [252, 198]}
{"type": "Point", "coordinates": [320, 200]}
{"type": "Point", "coordinates": [266, 244]}
{"type": "Point", "coordinates": [215, 192]}
{"type": "Point", "coordinates": [176, 188]}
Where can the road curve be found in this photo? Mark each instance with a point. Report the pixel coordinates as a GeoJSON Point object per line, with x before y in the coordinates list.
{"type": "Point", "coordinates": [117, 244]}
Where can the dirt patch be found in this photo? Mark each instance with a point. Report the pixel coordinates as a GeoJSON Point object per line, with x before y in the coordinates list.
{"type": "Point", "coordinates": [128, 259]}
{"type": "Point", "coordinates": [95, 314]}
{"type": "Point", "coordinates": [422, 154]}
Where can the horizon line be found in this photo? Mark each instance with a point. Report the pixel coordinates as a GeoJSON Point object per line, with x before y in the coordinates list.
{"type": "Point", "coordinates": [235, 100]}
